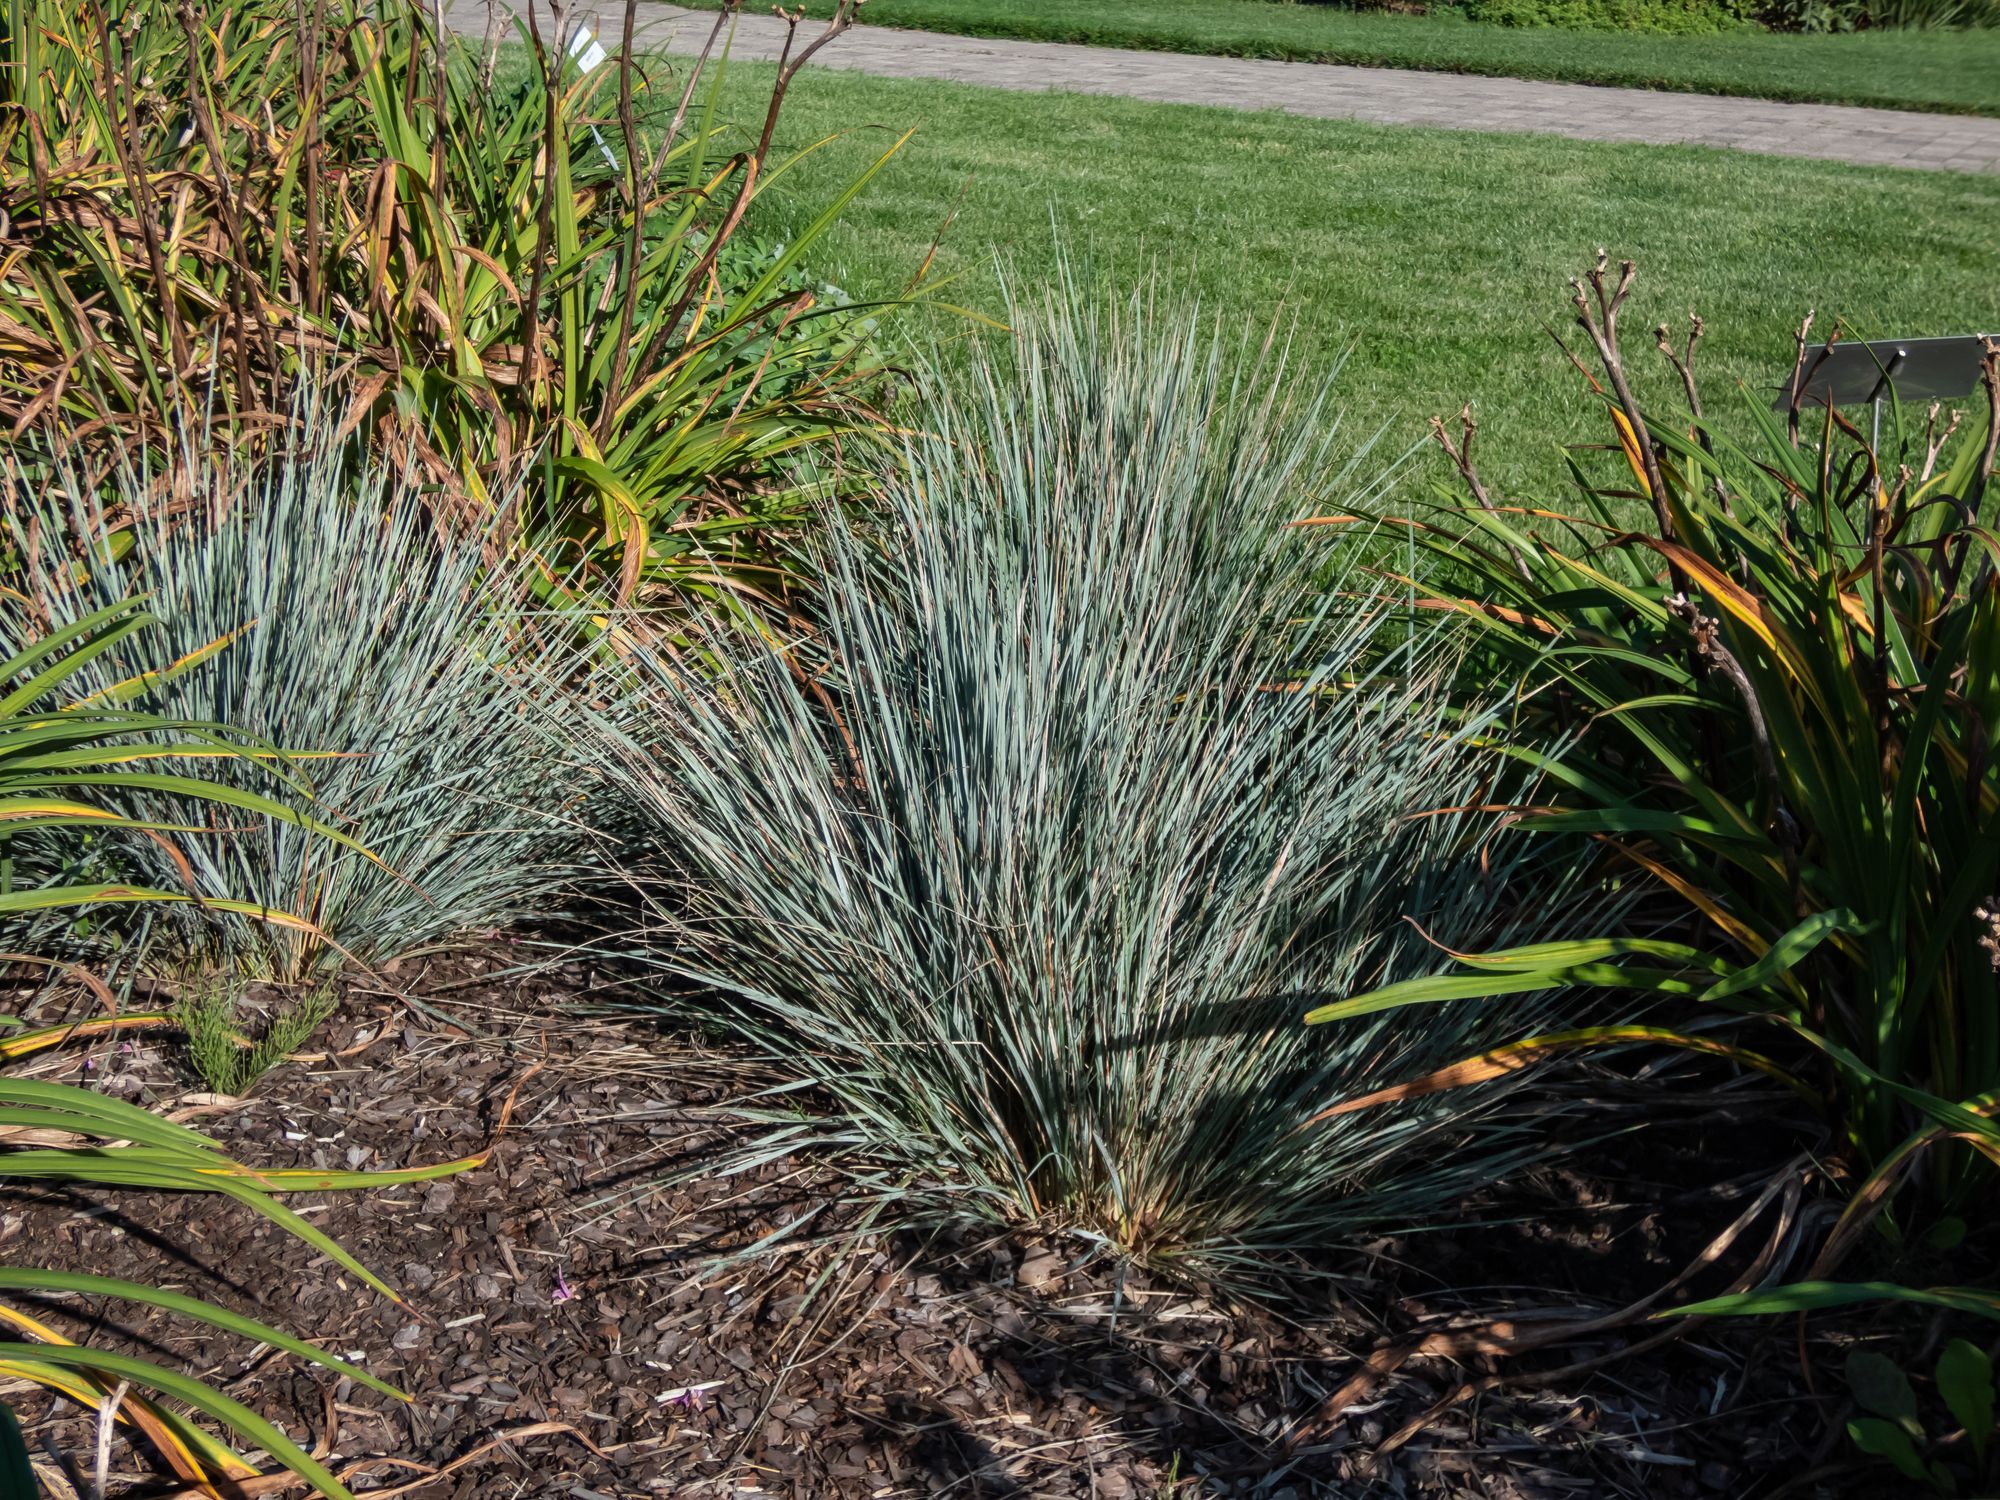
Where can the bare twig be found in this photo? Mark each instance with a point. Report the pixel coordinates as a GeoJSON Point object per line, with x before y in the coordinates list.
{"type": "Point", "coordinates": [497, 17]}
{"type": "Point", "coordinates": [1460, 454]}
{"type": "Point", "coordinates": [673, 131]}
{"type": "Point", "coordinates": [635, 236]}
{"type": "Point", "coordinates": [312, 89]}
{"type": "Point", "coordinates": [1935, 440]}
{"type": "Point", "coordinates": [1683, 364]}
{"type": "Point", "coordinates": [1575, 363]}
{"type": "Point", "coordinates": [242, 275]}
{"type": "Point", "coordinates": [551, 66]}
{"type": "Point", "coordinates": [752, 164]}
{"type": "Point", "coordinates": [1975, 492]}
{"type": "Point", "coordinates": [1508, 1338]}
{"type": "Point", "coordinates": [139, 183]}
{"type": "Point", "coordinates": [1597, 304]}
{"type": "Point", "coordinates": [1781, 1242]}
{"type": "Point", "coordinates": [1793, 390]}
{"type": "Point", "coordinates": [1712, 652]}
{"type": "Point", "coordinates": [107, 1421]}
{"type": "Point", "coordinates": [1989, 374]}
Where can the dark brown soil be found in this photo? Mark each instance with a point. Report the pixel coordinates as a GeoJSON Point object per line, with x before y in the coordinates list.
{"type": "Point", "coordinates": [565, 1344]}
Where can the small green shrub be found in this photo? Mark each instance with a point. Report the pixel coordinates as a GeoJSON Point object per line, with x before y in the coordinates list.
{"type": "Point", "coordinates": [1879, 15]}
{"type": "Point", "coordinates": [1084, 777]}
{"type": "Point", "coordinates": [1710, 17]}
{"type": "Point", "coordinates": [1815, 17]}
{"type": "Point", "coordinates": [1892, 1426]}
{"type": "Point", "coordinates": [1669, 17]}
{"type": "Point", "coordinates": [229, 1061]}
{"type": "Point", "coordinates": [1931, 15]}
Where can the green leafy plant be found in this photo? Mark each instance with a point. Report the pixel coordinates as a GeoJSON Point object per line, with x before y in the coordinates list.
{"type": "Point", "coordinates": [230, 1062]}
{"type": "Point", "coordinates": [1815, 17]}
{"type": "Point", "coordinates": [1931, 15]}
{"type": "Point", "coordinates": [501, 288]}
{"type": "Point", "coordinates": [1085, 772]}
{"type": "Point", "coordinates": [58, 755]}
{"type": "Point", "coordinates": [1771, 704]}
{"type": "Point", "coordinates": [15, 1468]}
{"type": "Point", "coordinates": [152, 1155]}
{"type": "Point", "coordinates": [59, 758]}
{"type": "Point", "coordinates": [1892, 1428]}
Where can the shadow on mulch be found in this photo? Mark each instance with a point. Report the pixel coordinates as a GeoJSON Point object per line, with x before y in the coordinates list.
{"type": "Point", "coordinates": [565, 1346]}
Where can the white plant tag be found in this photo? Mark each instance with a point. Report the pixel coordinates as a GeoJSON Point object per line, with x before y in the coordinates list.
{"type": "Point", "coordinates": [583, 48]}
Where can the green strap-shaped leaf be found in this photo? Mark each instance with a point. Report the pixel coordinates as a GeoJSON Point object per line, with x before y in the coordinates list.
{"type": "Point", "coordinates": [1442, 987]}
{"type": "Point", "coordinates": [232, 1414]}
{"type": "Point", "coordinates": [1786, 953]}
{"type": "Point", "coordinates": [207, 791]}
{"type": "Point", "coordinates": [1634, 820]}
{"type": "Point", "coordinates": [1815, 1296]}
{"type": "Point", "coordinates": [32, 658]}
{"type": "Point", "coordinates": [27, 1279]}
{"type": "Point", "coordinates": [1586, 961]}
{"type": "Point", "coordinates": [63, 1120]}
{"type": "Point", "coordinates": [52, 897]}
{"type": "Point", "coordinates": [1568, 952]}
{"type": "Point", "coordinates": [1965, 1380]}
{"type": "Point", "coordinates": [142, 1167]}
{"type": "Point", "coordinates": [17, 1476]}
{"type": "Point", "coordinates": [1884, 1439]}
{"type": "Point", "coordinates": [115, 1119]}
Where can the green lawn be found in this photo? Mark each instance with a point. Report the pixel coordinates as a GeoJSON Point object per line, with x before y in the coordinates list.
{"type": "Point", "coordinates": [1432, 259]}
{"type": "Point", "coordinates": [1955, 72]}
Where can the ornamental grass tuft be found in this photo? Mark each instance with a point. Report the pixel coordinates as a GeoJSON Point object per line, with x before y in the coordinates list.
{"type": "Point", "coordinates": [313, 598]}
{"type": "Point", "coordinates": [1086, 777]}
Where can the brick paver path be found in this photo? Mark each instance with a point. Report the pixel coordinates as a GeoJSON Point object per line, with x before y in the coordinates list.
{"type": "Point", "coordinates": [1393, 96]}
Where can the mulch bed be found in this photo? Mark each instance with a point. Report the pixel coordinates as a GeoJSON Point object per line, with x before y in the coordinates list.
{"type": "Point", "coordinates": [574, 1336]}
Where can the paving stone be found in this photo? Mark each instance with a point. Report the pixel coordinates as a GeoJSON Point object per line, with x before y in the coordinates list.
{"type": "Point", "coordinates": [1394, 96]}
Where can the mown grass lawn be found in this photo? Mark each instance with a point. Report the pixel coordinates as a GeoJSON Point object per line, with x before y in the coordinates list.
{"type": "Point", "coordinates": [1431, 260]}
{"type": "Point", "coordinates": [1950, 71]}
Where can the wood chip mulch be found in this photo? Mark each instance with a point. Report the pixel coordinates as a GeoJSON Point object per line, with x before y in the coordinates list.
{"type": "Point", "coordinates": [573, 1335]}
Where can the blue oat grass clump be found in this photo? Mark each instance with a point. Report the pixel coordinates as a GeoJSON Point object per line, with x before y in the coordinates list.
{"type": "Point", "coordinates": [1087, 776]}
{"type": "Point", "coordinates": [316, 597]}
